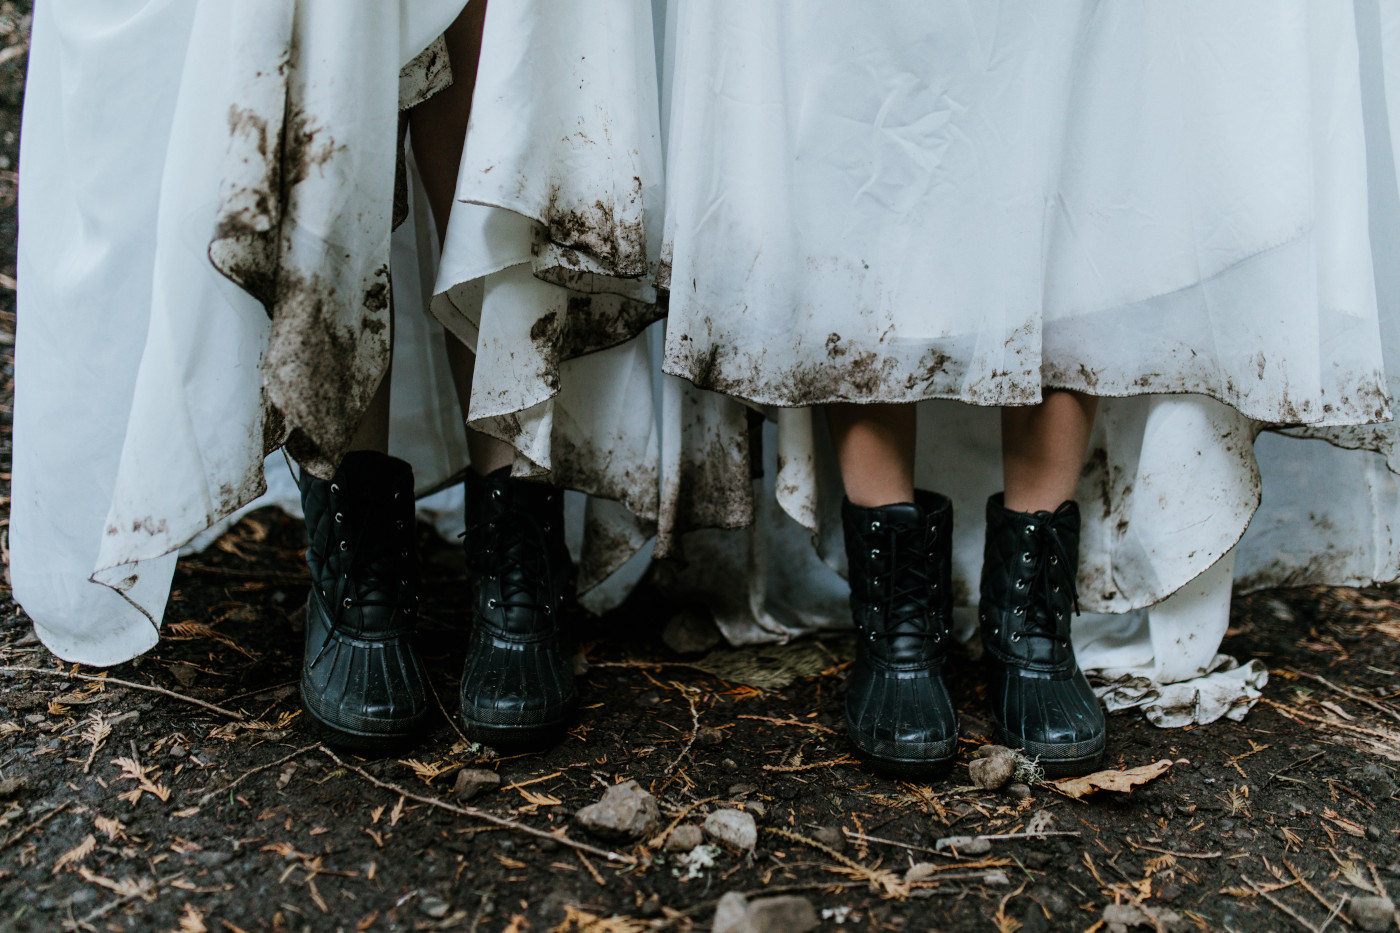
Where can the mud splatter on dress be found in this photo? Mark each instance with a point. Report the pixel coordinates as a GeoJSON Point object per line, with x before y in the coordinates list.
{"type": "Point", "coordinates": [1188, 209]}
{"type": "Point", "coordinates": [171, 150]}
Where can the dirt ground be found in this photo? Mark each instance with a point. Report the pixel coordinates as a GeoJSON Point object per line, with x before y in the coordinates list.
{"type": "Point", "coordinates": [184, 790]}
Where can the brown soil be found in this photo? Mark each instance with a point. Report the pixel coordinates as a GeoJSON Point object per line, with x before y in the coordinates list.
{"type": "Point", "coordinates": [246, 823]}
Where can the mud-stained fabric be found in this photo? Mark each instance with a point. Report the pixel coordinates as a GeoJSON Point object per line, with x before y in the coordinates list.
{"type": "Point", "coordinates": [551, 253]}
{"type": "Point", "coordinates": [1190, 211]}
{"type": "Point", "coordinates": [261, 135]}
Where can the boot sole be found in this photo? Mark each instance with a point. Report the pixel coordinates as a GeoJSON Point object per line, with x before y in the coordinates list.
{"type": "Point", "coordinates": [908, 768]}
{"type": "Point", "coordinates": [1055, 766]}
{"type": "Point", "coordinates": [370, 744]}
{"type": "Point", "coordinates": [533, 737]}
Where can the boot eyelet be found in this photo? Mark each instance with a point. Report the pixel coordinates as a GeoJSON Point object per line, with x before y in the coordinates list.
{"type": "Point", "coordinates": [870, 637]}
{"type": "Point", "coordinates": [399, 525]}
{"type": "Point", "coordinates": [995, 631]}
{"type": "Point", "coordinates": [396, 496]}
{"type": "Point", "coordinates": [874, 526]}
{"type": "Point", "coordinates": [874, 553]}
{"type": "Point", "coordinates": [1030, 529]}
{"type": "Point", "coordinates": [495, 494]}
{"type": "Point", "coordinates": [1015, 636]}
{"type": "Point", "coordinates": [545, 528]}
{"type": "Point", "coordinates": [1054, 587]}
{"type": "Point", "coordinates": [875, 610]}
{"type": "Point", "coordinates": [1026, 556]}
{"type": "Point", "coordinates": [345, 545]}
{"type": "Point", "coordinates": [345, 602]}
{"type": "Point", "coordinates": [491, 604]}
{"type": "Point", "coordinates": [1019, 610]}
{"type": "Point", "coordinates": [339, 518]}
{"type": "Point", "coordinates": [875, 581]}
{"type": "Point", "coordinates": [1054, 561]}
{"type": "Point", "coordinates": [403, 554]}
{"type": "Point", "coordinates": [1020, 584]}
{"type": "Point", "coordinates": [335, 488]}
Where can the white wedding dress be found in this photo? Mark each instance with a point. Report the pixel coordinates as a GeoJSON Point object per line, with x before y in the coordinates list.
{"type": "Point", "coordinates": [1188, 209]}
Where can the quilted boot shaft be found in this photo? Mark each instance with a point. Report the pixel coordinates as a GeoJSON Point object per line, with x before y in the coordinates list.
{"type": "Point", "coordinates": [361, 679]}
{"type": "Point", "coordinates": [1041, 700]}
{"type": "Point", "coordinates": [518, 681]}
{"type": "Point", "coordinates": [898, 710]}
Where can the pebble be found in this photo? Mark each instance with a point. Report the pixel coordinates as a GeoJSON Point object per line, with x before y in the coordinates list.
{"type": "Point", "coordinates": [13, 785]}
{"type": "Point", "coordinates": [1371, 912]}
{"type": "Point", "coordinates": [741, 790]}
{"type": "Point", "coordinates": [684, 838]}
{"type": "Point", "coordinates": [434, 907]}
{"type": "Point", "coordinates": [1019, 791]}
{"type": "Point", "coordinates": [472, 782]}
{"type": "Point", "coordinates": [788, 914]}
{"type": "Point", "coordinates": [994, 751]}
{"type": "Point", "coordinates": [991, 773]}
{"type": "Point", "coordinates": [831, 837]}
{"type": "Point", "coordinates": [691, 631]}
{"type": "Point", "coordinates": [964, 845]}
{"type": "Point", "coordinates": [624, 812]}
{"type": "Point", "coordinates": [758, 808]}
{"type": "Point", "coordinates": [920, 871]}
{"type": "Point", "coordinates": [709, 738]}
{"type": "Point", "coordinates": [729, 764]}
{"type": "Point", "coordinates": [1373, 833]}
{"type": "Point", "coordinates": [733, 828]}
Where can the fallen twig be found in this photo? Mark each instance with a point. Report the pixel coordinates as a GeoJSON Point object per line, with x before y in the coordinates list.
{"type": "Point", "coordinates": [1259, 890]}
{"type": "Point", "coordinates": [218, 791]}
{"type": "Point", "coordinates": [34, 825]}
{"type": "Point", "coordinates": [1347, 693]}
{"type": "Point", "coordinates": [1199, 855]}
{"type": "Point", "coordinates": [474, 813]}
{"type": "Point", "coordinates": [1291, 765]}
{"type": "Point", "coordinates": [694, 731]}
{"type": "Point", "coordinates": [122, 683]}
{"type": "Point", "coordinates": [788, 769]}
{"type": "Point", "coordinates": [791, 722]}
{"type": "Point", "coordinates": [1289, 712]}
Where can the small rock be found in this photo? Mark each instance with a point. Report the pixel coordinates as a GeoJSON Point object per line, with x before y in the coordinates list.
{"type": "Point", "coordinates": [1019, 791]}
{"type": "Point", "coordinates": [1037, 859]}
{"type": "Point", "coordinates": [831, 837]}
{"type": "Point", "coordinates": [709, 738]}
{"type": "Point", "coordinates": [920, 871]}
{"type": "Point", "coordinates": [991, 773]}
{"type": "Point", "coordinates": [1371, 912]}
{"type": "Point", "coordinates": [434, 907]}
{"type": "Point", "coordinates": [624, 812]}
{"type": "Point", "coordinates": [186, 674]}
{"type": "Point", "coordinates": [729, 764]}
{"type": "Point", "coordinates": [35, 718]}
{"type": "Point", "coordinates": [1168, 893]}
{"type": "Point", "coordinates": [787, 914]}
{"type": "Point", "coordinates": [994, 751]}
{"type": "Point", "coordinates": [691, 631]}
{"type": "Point", "coordinates": [733, 828]}
{"type": "Point", "coordinates": [472, 782]}
{"type": "Point", "coordinates": [1373, 833]}
{"type": "Point", "coordinates": [1120, 918]}
{"type": "Point", "coordinates": [684, 838]}
{"type": "Point", "coordinates": [12, 785]}
{"type": "Point", "coordinates": [730, 912]}
{"type": "Point", "coordinates": [964, 845]}
{"type": "Point", "coordinates": [757, 807]}
{"type": "Point", "coordinates": [742, 790]}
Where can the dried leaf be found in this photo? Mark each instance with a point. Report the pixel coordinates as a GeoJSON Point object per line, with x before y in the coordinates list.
{"type": "Point", "coordinates": [509, 862]}
{"type": "Point", "coordinates": [112, 828]}
{"type": "Point", "coordinates": [1350, 827]}
{"type": "Point", "coordinates": [76, 854]}
{"type": "Point", "coordinates": [127, 887]}
{"type": "Point", "coordinates": [581, 921]}
{"type": "Point", "coordinates": [192, 921]}
{"type": "Point", "coordinates": [542, 800]}
{"type": "Point", "coordinates": [1120, 781]}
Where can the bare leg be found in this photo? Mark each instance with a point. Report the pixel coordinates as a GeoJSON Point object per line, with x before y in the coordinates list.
{"type": "Point", "coordinates": [439, 128]}
{"type": "Point", "coordinates": [1042, 449]}
{"type": "Point", "coordinates": [875, 450]}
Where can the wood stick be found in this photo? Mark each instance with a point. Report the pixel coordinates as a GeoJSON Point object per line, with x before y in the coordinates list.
{"type": "Point", "coordinates": [1347, 693]}
{"type": "Point", "coordinates": [474, 813]}
{"type": "Point", "coordinates": [122, 683]}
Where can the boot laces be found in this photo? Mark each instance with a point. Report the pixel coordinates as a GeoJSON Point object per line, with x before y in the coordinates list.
{"type": "Point", "coordinates": [517, 555]}
{"type": "Point", "coordinates": [912, 585]}
{"type": "Point", "coordinates": [365, 576]}
{"type": "Point", "coordinates": [1050, 572]}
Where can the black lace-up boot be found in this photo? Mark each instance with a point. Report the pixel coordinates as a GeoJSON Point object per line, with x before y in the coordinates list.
{"type": "Point", "coordinates": [898, 710]}
{"type": "Point", "coordinates": [361, 680]}
{"type": "Point", "coordinates": [518, 683]}
{"type": "Point", "coordinates": [1041, 701]}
